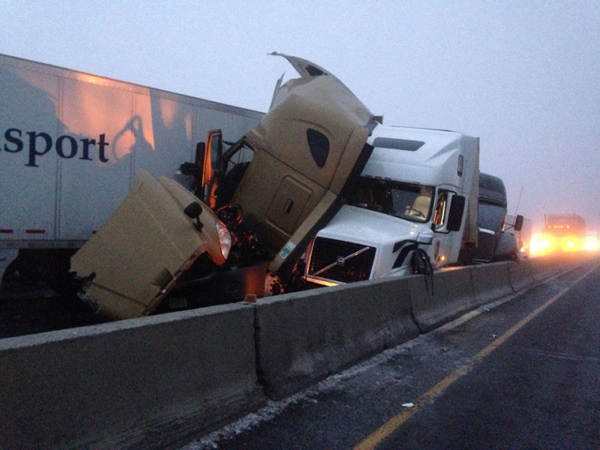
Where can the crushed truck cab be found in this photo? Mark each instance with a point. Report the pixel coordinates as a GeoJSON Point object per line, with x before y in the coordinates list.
{"type": "Point", "coordinates": [137, 256]}
{"type": "Point", "coordinates": [309, 150]}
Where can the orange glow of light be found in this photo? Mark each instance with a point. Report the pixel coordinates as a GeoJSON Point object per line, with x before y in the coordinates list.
{"type": "Point", "coordinates": [538, 245]}
{"type": "Point", "coordinates": [328, 283]}
{"type": "Point", "coordinates": [571, 244]}
{"type": "Point", "coordinates": [91, 107]}
{"type": "Point", "coordinates": [168, 110]}
{"type": "Point", "coordinates": [591, 244]}
{"type": "Point", "coordinates": [543, 245]}
{"type": "Point", "coordinates": [174, 115]}
{"type": "Point", "coordinates": [322, 282]}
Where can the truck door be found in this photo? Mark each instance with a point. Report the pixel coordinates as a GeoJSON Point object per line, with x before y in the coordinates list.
{"type": "Point", "coordinates": [446, 240]}
{"type": "Point", "coordinates": [211, 173]}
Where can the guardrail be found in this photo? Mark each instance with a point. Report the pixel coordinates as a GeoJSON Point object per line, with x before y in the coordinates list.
{"type": "Point", "coordinates": [162, 380]}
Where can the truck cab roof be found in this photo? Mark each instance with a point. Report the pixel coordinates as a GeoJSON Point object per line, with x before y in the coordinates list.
{"type": "Point", "coordinates": [431, 157]}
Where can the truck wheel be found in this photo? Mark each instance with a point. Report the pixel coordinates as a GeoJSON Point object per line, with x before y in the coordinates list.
{"type": "Point", "coordinates": [273, 285]}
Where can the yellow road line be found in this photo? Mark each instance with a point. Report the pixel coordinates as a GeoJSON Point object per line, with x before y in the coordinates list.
{"type": "Point", "coordinates": [396, 422]}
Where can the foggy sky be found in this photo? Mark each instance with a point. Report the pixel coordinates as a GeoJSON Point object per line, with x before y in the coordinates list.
{"type": "Point", "coordinates": [523, 76]}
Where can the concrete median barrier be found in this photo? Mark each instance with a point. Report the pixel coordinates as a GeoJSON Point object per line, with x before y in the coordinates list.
{"type": "Point", "coordinates": [521, 274]}
{"type": "Point", "coordinates": [304, 337]}
{"type": "Point", "coordinates": [138, 384]}
{"type": "Point", "coordinates": [441, 299]}
{"type": "Point", "coordinates": [158, 381]}
{"type": "Point", "coordinates": [490, 282]}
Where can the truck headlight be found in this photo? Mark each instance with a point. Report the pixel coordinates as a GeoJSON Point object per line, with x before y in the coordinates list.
{"type": "Point", "coordinates": [224, 239]}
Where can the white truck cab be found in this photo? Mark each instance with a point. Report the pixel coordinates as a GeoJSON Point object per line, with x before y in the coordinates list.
{"type": "Point", "coordinates": [415, 197]}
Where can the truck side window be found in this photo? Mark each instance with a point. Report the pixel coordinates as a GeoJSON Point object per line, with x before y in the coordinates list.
{"type": "Point", "coordinates": [240, 158]}
{"type": "Point", "coordinates": [235, 168]}
{"type": "Point", "coordinates": [216, 147]}
{"type": "Point", "coordinates": [318, 145]}
{"type": "Point", "coordinates": [439, 216]}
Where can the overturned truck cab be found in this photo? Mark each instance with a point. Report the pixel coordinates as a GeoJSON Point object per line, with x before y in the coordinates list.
{"type": "Point", "coordinates": [139, 254]}
{"type": "Point", "coordinates": [260, 201]}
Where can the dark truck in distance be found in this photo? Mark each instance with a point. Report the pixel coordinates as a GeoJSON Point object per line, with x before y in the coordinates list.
{"type": "Point", "coordinates": [495, 241]}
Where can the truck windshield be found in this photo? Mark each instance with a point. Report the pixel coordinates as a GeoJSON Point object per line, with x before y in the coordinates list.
{"type": "Point", "coordinates": [491, 216]}
{"type": "Point", "coordinates": [406, 201]}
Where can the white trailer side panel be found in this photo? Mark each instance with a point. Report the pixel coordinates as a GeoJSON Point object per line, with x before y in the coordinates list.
{"type": "Point", "coordinates": [90, 188]}
{"type": "Point", "coordinates": [28, 195]}
{"type": "Point", "coordinates": [72, 143]}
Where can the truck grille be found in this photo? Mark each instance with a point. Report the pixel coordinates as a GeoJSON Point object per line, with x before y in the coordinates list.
{"type": "Point", "coordinates": [341, 261]}
{"type": "Point", "coordinates": [485, 247]}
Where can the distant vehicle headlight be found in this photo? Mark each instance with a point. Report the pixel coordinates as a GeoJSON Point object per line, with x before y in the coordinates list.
{"type": "Point", "coordinates": [224, 239]}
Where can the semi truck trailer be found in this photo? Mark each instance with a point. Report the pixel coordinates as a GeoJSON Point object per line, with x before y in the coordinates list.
{"type": "Point", "coordinates": [71, 146]}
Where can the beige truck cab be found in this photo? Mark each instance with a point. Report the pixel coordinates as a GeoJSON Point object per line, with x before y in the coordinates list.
{"type": "Point", "coordinates": [146, 245]}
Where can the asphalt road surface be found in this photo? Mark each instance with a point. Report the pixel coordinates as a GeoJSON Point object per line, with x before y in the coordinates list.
{"type": "Point", "coordinates": [523, 374]}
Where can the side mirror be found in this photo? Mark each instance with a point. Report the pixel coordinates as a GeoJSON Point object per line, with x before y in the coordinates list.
{"type": "Point", "coordinates": [457, 209]}
{"type": "Point", "coordinates": [188, 168]}
{"type": "Point", "coordinates": [196, 168]}
{"type": "Point", "coordinates": [193, 211]}
{"type": "Point", "coordinates": [518, 223]}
